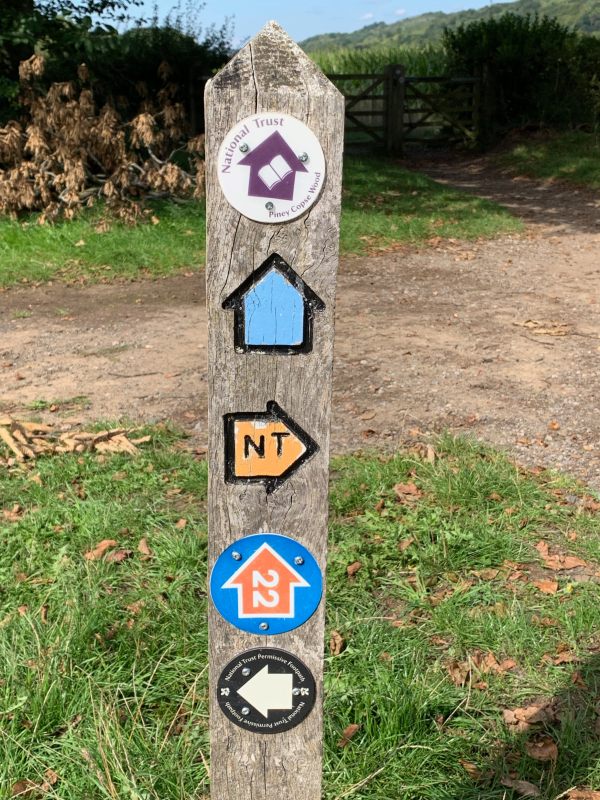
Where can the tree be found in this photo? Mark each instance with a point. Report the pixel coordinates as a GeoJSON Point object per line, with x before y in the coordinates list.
{"type": "Point", "coordinates": [26, 24]}
{"type": "Point", "coordinates": [78, 9]}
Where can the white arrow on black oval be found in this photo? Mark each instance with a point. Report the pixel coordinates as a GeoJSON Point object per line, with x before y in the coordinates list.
{"type": "Point", "coordinates": [269, 691]}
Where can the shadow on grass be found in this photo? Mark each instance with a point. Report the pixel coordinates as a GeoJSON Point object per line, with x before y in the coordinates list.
{"type": "Point", "coordinates": [551, 747]}
{"type": "Point", "coordinates": [384, 204]}
{"type": "Point", "coordinates": [552, 181]}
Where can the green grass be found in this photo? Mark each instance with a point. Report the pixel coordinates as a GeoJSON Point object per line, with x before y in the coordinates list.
{"type": "Point", "coordinates": [384, 204]}
{"type": "Point", "coordinates": [80, 401]}
{"type": "Point", "coordinates": [103, 665]}
{"type": "Point", "coordinates": [83, 248]}
{"type": "Point", "coordinates": [389, 205]}
{"type": "Point", "coordinates": [571, 157]}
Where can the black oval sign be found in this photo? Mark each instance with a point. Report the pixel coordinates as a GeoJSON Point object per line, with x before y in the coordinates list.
{"type": "Point", "coordinates": [266, 690]}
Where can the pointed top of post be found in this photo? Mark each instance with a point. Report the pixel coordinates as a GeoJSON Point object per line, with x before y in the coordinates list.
{"type": "Point", "coordinates": [272, 60]}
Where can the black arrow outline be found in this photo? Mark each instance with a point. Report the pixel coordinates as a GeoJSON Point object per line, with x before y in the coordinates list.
{"type": "Point", "coordinates": [312, 303]}
{"type": "Point", "coordinates": [274, 413]}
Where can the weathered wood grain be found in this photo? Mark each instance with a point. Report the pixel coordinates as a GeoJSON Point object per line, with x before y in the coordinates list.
{"type": "Point", "coordinates": [270, 74]}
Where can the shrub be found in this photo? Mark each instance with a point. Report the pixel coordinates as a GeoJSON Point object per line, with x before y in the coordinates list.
{"type": "Point", "coordinates": [66, 151]}
{"type": "Point", "coordinates": [123, 66]}
{"type": "Point", "coordinates": [535, 70]}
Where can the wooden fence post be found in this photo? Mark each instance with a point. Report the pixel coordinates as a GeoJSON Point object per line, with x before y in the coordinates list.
{"type": "Point", "coordinates": [394, 109]}
{"type": "Point", "coordinates": [274, 139]}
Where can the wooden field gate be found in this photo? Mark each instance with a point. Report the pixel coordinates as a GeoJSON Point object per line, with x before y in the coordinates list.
{"type": "Point", "coordinates": [391, 109]}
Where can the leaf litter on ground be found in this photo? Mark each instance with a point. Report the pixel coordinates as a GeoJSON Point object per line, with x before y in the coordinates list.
{"type": "Point", "coordinates": [30, 440]}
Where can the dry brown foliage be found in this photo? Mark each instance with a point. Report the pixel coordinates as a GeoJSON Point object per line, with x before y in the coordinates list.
{"type": "Point", "coordinates": [64, 153]}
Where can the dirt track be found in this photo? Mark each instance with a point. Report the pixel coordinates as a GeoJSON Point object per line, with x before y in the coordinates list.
{"type": "Point", "coordinates": [427, 339]}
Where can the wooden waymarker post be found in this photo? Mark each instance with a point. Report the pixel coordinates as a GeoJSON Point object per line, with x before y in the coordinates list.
{"type": "Point", "coordinates": [274, 139]}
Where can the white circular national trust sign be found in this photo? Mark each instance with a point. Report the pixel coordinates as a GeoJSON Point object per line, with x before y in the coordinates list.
{"type": "Point", "coordinates": [271, 167]}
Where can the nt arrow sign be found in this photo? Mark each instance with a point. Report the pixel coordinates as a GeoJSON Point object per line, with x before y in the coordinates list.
{"type": "Point", "coordinates": [264, 447]}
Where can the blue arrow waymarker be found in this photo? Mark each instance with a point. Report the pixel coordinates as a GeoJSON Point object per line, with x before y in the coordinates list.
{"type": "Point", "coordinates": [266, 584]}
{"type": "Point", "coordinates": [274, 310]}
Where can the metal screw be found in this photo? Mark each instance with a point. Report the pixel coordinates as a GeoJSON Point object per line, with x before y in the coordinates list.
{"type": "Point", "coordinates": [245, 711]}
{"type": "Point", "coordinates": [269, 206]}
{"type": "Point", "coordinates": [264, 626]}
{"type": "Point", "coordinates": [296, 691]}
{"type": "Point", "coordinates": [303, 157]}
{"type": "Point", "coordinates": [236, 556]}
{"type": "Point", "coordinates": [244, 148]}
{"type": "Point", "coordinates": [299, 561]}
{"type": "Point", "coordinates": [246, 671]}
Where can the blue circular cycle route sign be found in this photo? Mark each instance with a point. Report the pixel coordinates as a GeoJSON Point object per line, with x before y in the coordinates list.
{"type": "Point", "coordinates": [266, 583]}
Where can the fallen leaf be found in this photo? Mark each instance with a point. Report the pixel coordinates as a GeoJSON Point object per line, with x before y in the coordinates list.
{"type": "Point", "coordinates": [136, 607]}
{"type": "Point", "coordinates": [565, 658]}
{"type": "Point", "coordinates": [577, 680]}
{"type": "Point", "coordinates": [13, 514]}
{"type": "Point", "coordinates": [545, 586]}
{"type": "Point", "coordinates": [181, 523]}
{"type": "Point", "coordinates": [471, 769]}
{"type": "Point", "coordinates": [558, 561]}
{"type": "Point", "coordinates": [347, 734]}
{"type": "Point", "coordinates": [523, 788]}
{"type": "Point", "coordinates": [542, 548]}
{"type": "Point", "coordinates": [116, 556]}
{"type": "Point", "coordinates": [545, 328]}
{"type": "Point", "coordinates": [542, 749]}
{"type": "Point", "coordinates": [24, 789]}
{"type": "Point", "coordinates": [142, 439]}
{"type": "Point", "coordinates": [100, 549]}
{"type": "Point", "coordinates": [523, 718]}
{"type": "Point", "coordinates": [545, 622]}
{"type": "Point", "coordinates": [554, 425]}
{"type": "Point", "coordinates": [353, 568]}
{"type": "Point", "coordinates": [582, 794]}
{"type": "Point", "coordinates": [44, 615]}
{"type": "Point", "coordinates": [50, 779]}
{"type": "Point", "coordinates": [336, 643]}
{"type": "Point", "coordinates": [590, 504]}
{"type": "Point", "coordinates": [404, 544]}
{"type": "Point", "coordinates": [458, 671]}
{"type": "Point", "coordinates": [144, 549]}
{"type": "Point", "coordinates": [566, 562]}
{"type": "Point", "coordinates": [407, 492]}
{"type": "Point", "coordinates": [506, 664]}
{"type": "Point", "coordinates": [488, 574]}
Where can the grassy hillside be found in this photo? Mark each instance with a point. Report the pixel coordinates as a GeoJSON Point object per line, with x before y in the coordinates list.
{"type": "Point", "coordinates": [584, 15]}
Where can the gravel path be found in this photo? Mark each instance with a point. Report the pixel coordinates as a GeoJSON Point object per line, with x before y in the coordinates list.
{"type": "Point", "coordinates": [499, 340]}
